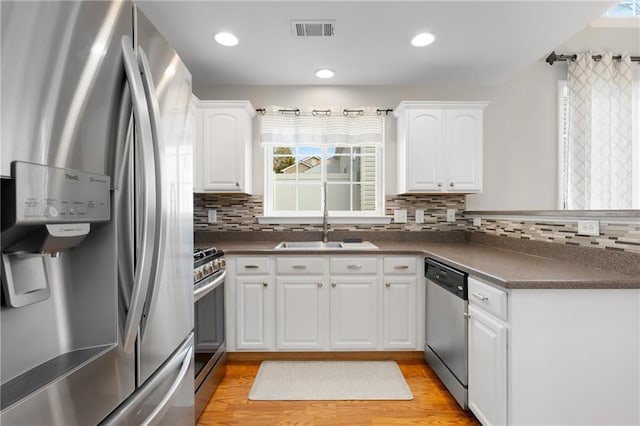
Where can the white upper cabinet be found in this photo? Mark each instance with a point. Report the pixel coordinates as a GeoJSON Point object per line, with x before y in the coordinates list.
{"type": "Point", "coordinates": [223, 146]}
{"type": "Point", "coordinates": [439, 147]}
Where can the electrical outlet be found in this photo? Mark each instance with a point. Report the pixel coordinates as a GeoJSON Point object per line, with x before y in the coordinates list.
{"type": "Point", "coordinates": [212, 216]}
{"type": "Point", "coordinates": [451, 215]}
{"type": "Point", "coordinates": [477, 221]}
{"type": "Point", "coordinates": [400, 216]}
{"type": "Point", "coordinates": [419, 215]}
{"type": "Point", "coordinates": [589, 227]}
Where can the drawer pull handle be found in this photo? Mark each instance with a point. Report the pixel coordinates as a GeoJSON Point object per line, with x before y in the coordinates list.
{"type": "Point", "coordinates": [480, 296]}
{"type": "Point", "coordinates": [319, 285]}
{"type": "Point", "coordinates": [387, 285]}
{"type": "Point", "coordinates": [265, 284]}
{"type": "Point", "coordinates": [251, 266]}
{"type": "Point", "coordinates": [354, 266]}
{"type": "Point", "coordinates": [401, 267]}
{"type": "Point", "coordinates": [466, 315]}
{"type": "Point", "coordinates": [333, 285]}
{"type": "Point", "coordinates": [299, 266]}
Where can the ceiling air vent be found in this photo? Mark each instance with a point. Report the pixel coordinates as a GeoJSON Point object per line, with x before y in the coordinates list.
{"type": "Point", "coordinates": [307, 28]}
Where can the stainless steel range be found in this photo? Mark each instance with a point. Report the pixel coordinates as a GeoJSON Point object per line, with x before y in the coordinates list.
{"type": "Point", "coordinates": [209, 272]}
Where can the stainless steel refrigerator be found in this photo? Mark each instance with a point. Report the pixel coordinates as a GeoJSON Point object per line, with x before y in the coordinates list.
{"type": "Point", "coordinates": [96, 163]}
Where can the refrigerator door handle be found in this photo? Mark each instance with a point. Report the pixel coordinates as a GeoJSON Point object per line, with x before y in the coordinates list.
{"type": "Point", "coordinates": [160, 228]}
{"type": "Point", "coordinates": [124, 199]}
{"type": "Point", "coordinates": [144, 261]}
{"type": "Point", "coordinates": [162, 406]}
{"type": "Point", "coordinates": [128, 411]}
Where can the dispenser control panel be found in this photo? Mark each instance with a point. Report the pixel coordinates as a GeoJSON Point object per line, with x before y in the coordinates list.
{"type": "Point", "coordinates": [45, 194]}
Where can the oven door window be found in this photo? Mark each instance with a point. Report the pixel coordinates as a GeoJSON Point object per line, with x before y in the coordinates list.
{"type": "Point", "coordinates": [209, 329]}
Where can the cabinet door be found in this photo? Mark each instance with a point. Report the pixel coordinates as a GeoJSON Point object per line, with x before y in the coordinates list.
{"type": "Point", "coordinates": [223, 150]}
{"type": "Point", "coordinates": [353, 313]}
{"type": "Point", "coordinates": [424, 155]}
{"type": "Point", "coordinates": [399, 300]}
{"type": "Point", "coordinates": [487, 368]}
{"type": "Point", "coordinates": [463, 150]}
{"type": "Point", "coordinates": [300, 317]}
{"type": "Point", "coordinates": [254, 315]}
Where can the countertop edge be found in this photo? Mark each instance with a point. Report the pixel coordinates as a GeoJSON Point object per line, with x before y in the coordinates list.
{"type": "Point", "coordinates": [631, 283]}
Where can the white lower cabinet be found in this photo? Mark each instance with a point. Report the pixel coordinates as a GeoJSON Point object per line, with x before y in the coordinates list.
{"type": "Point", "coordinates": [254, 312]}
{"type": "Point", "coordinates": [399, 318]}
{"type": "Point", "coordinates": [300, 313]}
{"type": "Point", "coordinates": [317, 303]}
{"type": "Point", "coordinates": [353, 315]}
{"type": "Point", "coordinates": [487, 367]}
{"type": "Point", "coordinates": [553, 356]}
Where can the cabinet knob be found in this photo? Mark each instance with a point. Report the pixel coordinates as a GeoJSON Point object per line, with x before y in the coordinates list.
{"type": "Point", "coordinates": [333, 285]}
{"type": "Point", "coordinates": [237, 183]}
{"type": "Point", "coordinates": [387, 285]}
{"type": "Point", "coordinates": [466, 315]}
{"type": "Point", "coordinates": [265, 284]}
{"type": "Point", "coordinates": [319, 285]}
{"type": "Point", "coordinates": [439, 184]}
{"type": "Point", "coordinates": [451, 184]}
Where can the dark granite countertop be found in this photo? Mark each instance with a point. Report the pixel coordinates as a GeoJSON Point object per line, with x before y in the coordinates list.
{"type": "Point", "coordinates": [507, 268]}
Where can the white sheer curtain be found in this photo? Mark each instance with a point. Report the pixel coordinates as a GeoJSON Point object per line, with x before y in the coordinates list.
{"type": "Point", "coordinates": [318, 128]}
{"type": "Point", "coordinates": [600, 160]}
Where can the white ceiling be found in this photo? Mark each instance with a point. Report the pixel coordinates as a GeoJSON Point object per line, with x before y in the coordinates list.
{"type": "Point", "coordinates": [478, 42]}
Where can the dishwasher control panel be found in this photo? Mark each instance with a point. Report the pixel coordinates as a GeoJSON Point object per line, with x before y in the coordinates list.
{"type": "Point", "coordinates": [445, 276]}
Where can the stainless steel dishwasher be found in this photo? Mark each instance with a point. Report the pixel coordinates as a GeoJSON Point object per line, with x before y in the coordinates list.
{"type": "Point", "coordinates": [446, 339]}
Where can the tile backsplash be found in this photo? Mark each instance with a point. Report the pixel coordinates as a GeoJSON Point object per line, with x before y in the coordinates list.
{"type": "Point", "coordinates": [613, 236]}
{"type": "Point", "coordinates": [239, 212]}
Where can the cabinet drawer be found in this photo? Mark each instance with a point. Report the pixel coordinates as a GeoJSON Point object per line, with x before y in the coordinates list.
{"type": "Point", "coordinates": [253, 265]}
{"type": "Point", "coordinates": [491, 299]}
{"type": "Point", "coordinates": [299, 265]}
{"type": "Point", "coordinates": [353, 265]}
{"type": "Point", "coordinates": [399, 265]}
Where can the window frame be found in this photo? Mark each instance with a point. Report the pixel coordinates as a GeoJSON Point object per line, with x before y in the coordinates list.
{"type": "Point", "coordinates": [268, 200]}
{"type": "Point", "coordinates": [562, 142]}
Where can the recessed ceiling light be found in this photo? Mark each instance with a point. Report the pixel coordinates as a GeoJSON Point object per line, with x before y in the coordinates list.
{"type": "Point", "coordinates": [423, 39]}
{"type": "Point", "coordinates": [226, 39]}
{"type": "Point", "coordinates": [325, 73]}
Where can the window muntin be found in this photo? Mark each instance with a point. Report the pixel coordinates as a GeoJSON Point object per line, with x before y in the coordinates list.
{"type": "Point", "coordinates": [296, 175]}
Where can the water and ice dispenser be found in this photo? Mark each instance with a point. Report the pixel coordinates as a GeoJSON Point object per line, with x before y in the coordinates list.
{"type": "Point", "coordinates": [45, 211]}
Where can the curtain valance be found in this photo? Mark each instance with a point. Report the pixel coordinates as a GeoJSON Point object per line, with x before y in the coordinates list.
{"type": "Point", "coordinates": [318, 127]}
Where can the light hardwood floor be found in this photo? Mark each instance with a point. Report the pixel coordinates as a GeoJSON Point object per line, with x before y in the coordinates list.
{"type": "Point", "coordinates": [431, 404]}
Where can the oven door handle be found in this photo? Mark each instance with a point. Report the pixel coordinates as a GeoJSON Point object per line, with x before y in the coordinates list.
{"type": "Point", "coordinates": [201, 292]}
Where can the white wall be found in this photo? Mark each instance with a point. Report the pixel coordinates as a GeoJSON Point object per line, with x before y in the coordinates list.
{"type": "Point", "coordinates": [519, 125]}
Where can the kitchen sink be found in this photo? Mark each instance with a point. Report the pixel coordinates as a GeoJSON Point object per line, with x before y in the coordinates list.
{"type": "Point", "coordinates": [319, 245]}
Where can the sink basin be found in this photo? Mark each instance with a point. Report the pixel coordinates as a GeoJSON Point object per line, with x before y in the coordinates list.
{"type": "Point", "coordinates": [308, 245]}
{"type": "Point", "coordinates": [319, 245]}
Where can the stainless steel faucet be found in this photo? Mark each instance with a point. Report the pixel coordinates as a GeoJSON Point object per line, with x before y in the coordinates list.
{"type": "Point", "coordinates": [325, 216]}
